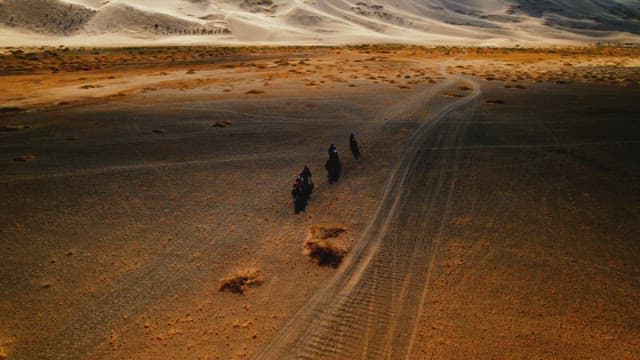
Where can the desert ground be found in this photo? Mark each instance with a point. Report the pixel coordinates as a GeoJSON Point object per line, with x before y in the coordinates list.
{"type": "Point", "coordinates": [146, 206]}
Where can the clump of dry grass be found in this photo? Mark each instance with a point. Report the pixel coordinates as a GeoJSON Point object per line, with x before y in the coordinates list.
{"type": "Point", "coordinates": [86, 87]}
{"type": "Point", "coordinates": [11, 128]}
{"type": "Point", "coordinates": [24, 158]}
{"type": "Point", "coordinates": [323, 233]}
{"type": "Point", "coordinates": [239, 282]}
{"type": "Point", "coordinates": [320, 246]}
{"type": "Point", "coordinates": [10, 109]}
{"type": "Point", "coordinates": [221, 124]}
{"type": "Point", "coordinates": [326, 253]}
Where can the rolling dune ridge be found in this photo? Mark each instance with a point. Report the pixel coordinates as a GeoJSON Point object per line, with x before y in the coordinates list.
{"type": "Point", "coordinates": [488, 23]}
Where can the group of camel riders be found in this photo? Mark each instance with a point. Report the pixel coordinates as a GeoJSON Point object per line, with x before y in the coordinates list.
{"type": "Point", "coordinates": [303, 186]}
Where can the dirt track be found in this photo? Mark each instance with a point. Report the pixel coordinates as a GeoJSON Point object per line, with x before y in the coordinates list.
{"type": "Point", "coordinates": [478, 230]}
{"type": "Point", "coordinates": [369, 310]}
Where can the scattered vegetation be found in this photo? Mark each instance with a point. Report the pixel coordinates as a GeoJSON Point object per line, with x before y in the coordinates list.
{"type": "Point", "coordinates": [10, 109]}
{"type": "Point", "coordinates": [12, 128]}
{"type": "Point", "coordinates": [322, 247]}
{"type": "Point", "coordinates": [239, 282]}
{"type": "Point", "coordinates": [221, 124]}
{"type": "Point", "coordinates": [24, 158]}
{"type": "Point", "coordinates": [86, 87]}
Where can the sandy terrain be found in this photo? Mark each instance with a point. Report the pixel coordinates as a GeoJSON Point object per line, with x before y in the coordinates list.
{"type": "Point", "coordinates": [304, 22]}
{"type": "Point", "coordinates": [494, 213]}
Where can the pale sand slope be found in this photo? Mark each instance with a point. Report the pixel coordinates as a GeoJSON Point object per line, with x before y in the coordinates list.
{"type": "Point", "coordinates": [469, 22]}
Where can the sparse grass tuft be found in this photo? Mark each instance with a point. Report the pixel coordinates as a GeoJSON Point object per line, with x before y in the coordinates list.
{"type": "Point", "coordinates": [321, 247]}
{"type": "Point", "coordinates": [221, 124]}
{"type": "Point", "coordinates": [239, 282]}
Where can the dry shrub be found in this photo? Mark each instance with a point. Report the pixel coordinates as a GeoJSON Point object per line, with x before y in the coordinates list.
{"type": "Point", "coordinates": [254, 92]}
{"type": "Point", "coordinates": [496, 102]}
{"type": "Point", "coordinates": [86, 87]}
{"type": "Point", "coordinates": [10, 109]}
{"type": "Point", "coordinates": [323, 233]}
{"type": "Point", "coordinates": [24, 158]}
{"type": "Point", "coordinates": [221, 124]}
{"type": "Point", "coordinates": [11, 128]}
{"type": "Point", "coordinates": [239, 282]}
{"type": "Point", "coordinates": [324, 251]}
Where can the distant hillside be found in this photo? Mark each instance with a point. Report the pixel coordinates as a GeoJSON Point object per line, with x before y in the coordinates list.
{"type": "Point", "coordinates": [44, 16]}
{"type": "Point", "coordinates": [486, 22]}
{"type": "Point", "coordinates": [134, 20]}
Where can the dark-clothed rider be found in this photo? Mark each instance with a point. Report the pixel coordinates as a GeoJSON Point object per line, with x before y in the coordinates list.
{"type": "Point", "coordinates": [306, 175]}
{"type": "Point", "coordinates": [333, 151]}
{"type": "Point", "coordinates": [353, 144]}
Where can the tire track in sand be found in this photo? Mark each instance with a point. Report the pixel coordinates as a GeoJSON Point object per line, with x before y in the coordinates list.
{"type": "Point", "coordinates": [370, 308]}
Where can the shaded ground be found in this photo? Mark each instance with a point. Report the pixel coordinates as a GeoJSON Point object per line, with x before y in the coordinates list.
{"type": "Point", "coordinates": [482, 221]}
{"type": "Point", "coordinates": [538, 256]}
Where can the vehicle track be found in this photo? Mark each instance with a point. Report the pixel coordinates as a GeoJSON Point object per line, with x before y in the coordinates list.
{"type": "Point", "coordinates": [370, 309]}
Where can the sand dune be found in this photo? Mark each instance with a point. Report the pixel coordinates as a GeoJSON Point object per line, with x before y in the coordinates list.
{"type": "Point", "coordinates": [492, 22]}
